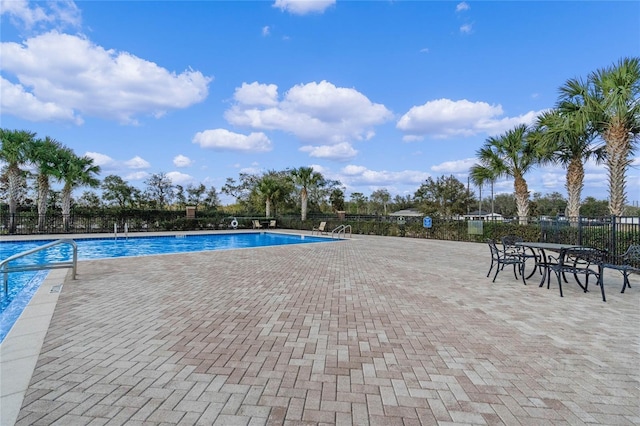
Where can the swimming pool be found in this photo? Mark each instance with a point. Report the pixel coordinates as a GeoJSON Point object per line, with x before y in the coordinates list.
{"type": "Point", "coordinates": [23, 285]}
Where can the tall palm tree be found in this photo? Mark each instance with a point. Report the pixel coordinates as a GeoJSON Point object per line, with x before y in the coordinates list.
{"type": "Point", "coordinates": [509, 155]}
{"type": "Point", "coordinates": [566, 139]}
{"type": "Point", "coordinates": [481, 175]}
{"type": "Point", "coordinates": [44, 154]}
{"type": "Point", "coordinates": [14, 151]}
{"type": "Point", "coordinates": [614, 105]}
{"type": "Point", "coordinates": [75, 172]}
{"type": "Point", "coordinates": [269, 188]}
{"type": "Point", "coordinates": [305, 178]}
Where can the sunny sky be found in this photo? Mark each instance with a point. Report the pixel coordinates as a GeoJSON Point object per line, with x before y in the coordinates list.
{"type": "Point", "coordinates": [375, 94]}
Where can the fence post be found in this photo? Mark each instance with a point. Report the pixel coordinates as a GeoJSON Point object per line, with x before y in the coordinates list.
{"type": "Point", "coordinates": [614, 245]}
{"type": "Point", "coordinates": [579, 230]}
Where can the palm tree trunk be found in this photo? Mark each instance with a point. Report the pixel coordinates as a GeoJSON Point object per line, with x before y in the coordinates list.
{"type": "Point", "coordinates": [66, 207]}
{"type": "Point", "coordinates": [574, 185]}
{"type": "Point", "coordinates": [14, 191]}
{"type": "Point", "coordinates": [43, 192]}
{"type": "Point", "coordinates": [618, 147]}
{"type": "Point", "coordinates": [303, 204]}
{"type": "Point", "coordinates": [267, 207]}
{"type": "Point", "coordinates": [522, 199]}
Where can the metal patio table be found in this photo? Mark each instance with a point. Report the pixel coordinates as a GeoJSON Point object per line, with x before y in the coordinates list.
{"type": "Point", "coordinates": [542, 261]}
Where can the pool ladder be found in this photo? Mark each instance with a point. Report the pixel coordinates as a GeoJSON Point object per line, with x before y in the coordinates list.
{"type": "Point", "coordinates": [5, 268]}
{"type": "Point", "coordinates": [342, 229]}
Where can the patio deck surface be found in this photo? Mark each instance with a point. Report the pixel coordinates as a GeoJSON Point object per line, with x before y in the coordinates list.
{"type": "Point", "coordinates": [366, 331]}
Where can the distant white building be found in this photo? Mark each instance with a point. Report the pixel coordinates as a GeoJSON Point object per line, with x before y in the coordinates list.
{"type": "Point", "coordinates": [481, 215]}
{"type": "Point", "coordinates": [407, 213]}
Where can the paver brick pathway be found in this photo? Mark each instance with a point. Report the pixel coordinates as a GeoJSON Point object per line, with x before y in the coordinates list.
{"type": "Point", "coordinates": [368, 331]}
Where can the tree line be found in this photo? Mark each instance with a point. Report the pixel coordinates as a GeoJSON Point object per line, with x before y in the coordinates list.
{"type": "Point", "coordinates": [597, 118]}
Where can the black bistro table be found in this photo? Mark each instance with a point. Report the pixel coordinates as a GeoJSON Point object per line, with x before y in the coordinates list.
{"type": "Point", "coordinates": [574, 259]}
{"type": "Point", "coordinates": [542, 259]}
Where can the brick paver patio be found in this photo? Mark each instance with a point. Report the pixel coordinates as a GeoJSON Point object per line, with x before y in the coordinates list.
{"type": "Point", "coordinates": [367, 331]}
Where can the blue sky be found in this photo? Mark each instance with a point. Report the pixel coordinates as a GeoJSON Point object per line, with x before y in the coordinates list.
{"type": "Point", "coordinates": [376, 94]}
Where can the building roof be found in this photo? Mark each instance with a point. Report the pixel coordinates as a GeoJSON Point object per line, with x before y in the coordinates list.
{"type": "Point", "coordinates": [407, 212]}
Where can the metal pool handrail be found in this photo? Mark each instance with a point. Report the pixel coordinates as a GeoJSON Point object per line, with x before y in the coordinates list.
{"type": "Point", "coordinates": [5, 269]}
{"type": "Point", "coordinates": [342, 229]}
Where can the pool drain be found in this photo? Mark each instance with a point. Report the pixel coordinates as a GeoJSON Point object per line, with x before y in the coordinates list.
{"type": "Point", "coordinates": [56, 288]}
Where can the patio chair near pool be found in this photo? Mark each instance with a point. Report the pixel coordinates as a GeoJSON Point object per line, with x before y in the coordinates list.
{"type": "Point", "coordinates": [629, 262]}
{"type": "Point", "coordinates": [320, 229]}
{"type": "Point", "coordinates": [501, 258]}
{"type": "Point", "coordinates": [580, 262]}
{"type": "Point", "coordinates": [272, 224]}
{"type": "Point", "coordinates": [256, 224]}
{"type": "Point", "coordinates": [511, 247]}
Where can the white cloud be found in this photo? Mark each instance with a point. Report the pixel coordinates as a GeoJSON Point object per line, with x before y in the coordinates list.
{"type": "Point", "coordinates": [303, 7]}
{"type": "Point", "coordinates": [254, 170]}
{"type": "Point", "coordinates": [458, 166]}
{"type": "Point", "coordinates": [462, 7]}
{"type": "Point", "coordinates": [137, 176]}
{"type": "Point", "coordinates": [16, 101]}
{"type": "Point", "coordinates": [424, 50]}
{"type": "Point", "coordinates": [496, 127]}
{"type": "Point", "coordinates": [359, 175]}
{"type": "Point", "coordinates": [68, 75]}
{"type": "Point", "coordinates": [318, 168]}
{"type": "Point", "coordinates": [257, 94]}
{"type": "Point", "coordinates": [466, 29]}
{"type": "Point", "coordinates": [266, 31]}
{"type": "Point", "coordinates": [313, 112]}
{"type": "Point", "coordinates": [54, 14]}
{"type": "Point", "coordinates": [182, 161]}
{"type": "Point", "coordinates": [110, 165]}
{"type": "Point", "coordinates": [444, 118]}
{"type": "Point", "coordinates": [339, 152]}
{"type": "Point", "coordinates": [504, 186]}
{"type": "Point", "coordinates": [102, 160]}
{"type": "Point", "coordinates": [178, 178]}
{"type": "Point", "coordinates": [352, 170]}
{"type": "Point", "coordinates": [554, 177]}
{"type": "Point", "coordinates": [356, 178]}
{"type": "Point", "coordinates": [137, 163]}
{"type": "Point", "coordinates": [224, 140]}
{"type": "Point", "coordinates": [552, 180]}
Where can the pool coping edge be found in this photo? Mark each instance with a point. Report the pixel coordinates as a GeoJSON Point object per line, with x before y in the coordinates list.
{"type": "Point", "coordinates": [20, 349]}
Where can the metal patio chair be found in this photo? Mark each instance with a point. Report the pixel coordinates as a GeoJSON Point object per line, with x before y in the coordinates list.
{"type": "Point", "coordinates": [629, 262]}
{"type": "Point", "coordinates": [579, 262]}
{"type": "Point", "coordinates": [510, 245]}
{"type": "Point", "coordinates": [500, 258]}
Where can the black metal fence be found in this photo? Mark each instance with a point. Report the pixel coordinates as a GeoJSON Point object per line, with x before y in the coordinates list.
{"type": "Point", "coordinates": [613, 234]}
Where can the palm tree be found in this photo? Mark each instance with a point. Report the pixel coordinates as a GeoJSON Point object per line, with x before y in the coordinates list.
{"type": "Point", "coordinates": [75, 172]}
{"type": "Point", "coordinates": [269, 188]}
{"type": "Point", "coordinates": [44, 154]}
{"type": "Point", "coordinates": [305, 178]}
{"type": "Point", "coordinates": [481, 175]}
{"type": "Point", "coordinates": [336, 199]}
{"type": "Point", "coordinates": [614, 108]}
{"type": "Point", "coordinates": [566, 139]}
{"type": "Point", "coordinates": [509, 155]}
{"type": "Point", "coordinates": [13, 151]}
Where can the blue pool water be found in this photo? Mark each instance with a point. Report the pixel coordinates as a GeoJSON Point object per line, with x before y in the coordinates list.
{"type": "Point", "coordinates": [23, 285]}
